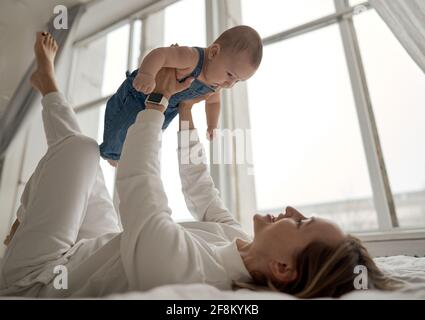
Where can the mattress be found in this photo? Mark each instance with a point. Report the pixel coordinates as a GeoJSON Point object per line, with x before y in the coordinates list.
{"type": "Point", "coordinates": [410, 270]}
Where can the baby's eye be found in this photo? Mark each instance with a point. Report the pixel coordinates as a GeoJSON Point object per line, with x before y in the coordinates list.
{"type": "Point", "coordinates": [229, 74]}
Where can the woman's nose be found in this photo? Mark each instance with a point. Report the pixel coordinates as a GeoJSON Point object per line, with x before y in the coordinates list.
{"type": "Point", "coordinates": [292, 212]}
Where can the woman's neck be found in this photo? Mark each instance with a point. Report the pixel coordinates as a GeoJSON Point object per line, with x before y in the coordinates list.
{"type": "Point", "coordinates": [252, 263]}
{"type": "Point", "coordinates": [244, 251]}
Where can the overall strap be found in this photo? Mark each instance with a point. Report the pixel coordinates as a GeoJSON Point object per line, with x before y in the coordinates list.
{"type": "Point", "coordinates": [198, 69]}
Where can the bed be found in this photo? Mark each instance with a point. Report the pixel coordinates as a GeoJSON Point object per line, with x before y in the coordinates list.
{"type": "Point", "coordinates": [409, 269]}
{"type": "Point", "coordinates": [406, 268]}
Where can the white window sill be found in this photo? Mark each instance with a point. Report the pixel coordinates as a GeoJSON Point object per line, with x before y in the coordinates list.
{"type": "Point", "coordinates": [396, 234]}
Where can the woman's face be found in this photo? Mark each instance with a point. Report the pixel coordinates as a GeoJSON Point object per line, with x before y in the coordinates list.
{"type": "Point", "coordinates": [281, 237]}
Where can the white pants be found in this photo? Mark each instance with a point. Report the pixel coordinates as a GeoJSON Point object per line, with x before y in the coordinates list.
{"type": "Point", "coordinates": [65, 199]}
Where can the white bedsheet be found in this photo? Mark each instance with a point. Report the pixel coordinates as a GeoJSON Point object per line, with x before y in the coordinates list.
{"type": "Point", "coordinates": [409, 269]}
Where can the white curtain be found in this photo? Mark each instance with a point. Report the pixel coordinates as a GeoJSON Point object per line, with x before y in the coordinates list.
{"type": "Point", "coordinates": [406, 19]}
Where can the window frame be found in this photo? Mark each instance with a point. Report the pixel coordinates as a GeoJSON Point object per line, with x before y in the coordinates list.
{"type": "Point", "coordinates": [383, 198]}
{"type": "Point", "coordinates": [221, 15]}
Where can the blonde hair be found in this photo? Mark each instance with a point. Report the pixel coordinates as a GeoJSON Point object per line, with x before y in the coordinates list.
{"type": "Point", "coordinates": [242, 39]}
{"type": "Point", "coordinates": [328, 271]}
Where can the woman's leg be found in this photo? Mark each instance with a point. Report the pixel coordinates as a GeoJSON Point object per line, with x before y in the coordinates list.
{"type": "Point", "coordinates": [60, 121]}
{"type": "Point", "coordinates": [55, 201]}
{"type": "Point", "coordinates": [59, 194]}
{"type": "Point", "coordinates": [101, 216]}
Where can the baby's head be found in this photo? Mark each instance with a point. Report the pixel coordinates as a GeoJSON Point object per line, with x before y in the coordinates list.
{"type": "Point", "coordinates": [234, 56]}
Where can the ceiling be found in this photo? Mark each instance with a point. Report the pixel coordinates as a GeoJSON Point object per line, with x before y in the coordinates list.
{"type": "Point", "coordinates": [19, 19]}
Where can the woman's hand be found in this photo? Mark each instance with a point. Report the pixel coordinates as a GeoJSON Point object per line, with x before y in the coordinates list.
{"type": "Point", "coordinates": [167, 85]}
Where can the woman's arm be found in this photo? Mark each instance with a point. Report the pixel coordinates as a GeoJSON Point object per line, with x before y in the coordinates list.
{"type": "Point", "coordinates": [154, 249]}
{"type": "Point", "coordinates": [202, 198]}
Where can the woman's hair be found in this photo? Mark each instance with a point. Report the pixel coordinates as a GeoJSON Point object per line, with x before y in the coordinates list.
{"type": "Point", "coordinates": [324, 270]}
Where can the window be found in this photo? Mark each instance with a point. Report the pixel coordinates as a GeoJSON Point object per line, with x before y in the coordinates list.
{"type": "Point", "coordinates": [317, 162]}
{"type": "Point", "coordinates": [101, 66]}
{"type": "Point", "coordinates": [185, 32]}
{"type": "Point", "coordinates": [396, 86]}
{"type": "Point", "coordinates": [269, 17]}
{"type": "Point", "coordinates": [116, 59]}
{"type": "Point", "coordinates": [99, 70]}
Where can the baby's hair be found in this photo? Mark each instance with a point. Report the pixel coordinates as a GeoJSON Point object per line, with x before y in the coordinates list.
{"type": "Point", "coordinates": [242, 39]}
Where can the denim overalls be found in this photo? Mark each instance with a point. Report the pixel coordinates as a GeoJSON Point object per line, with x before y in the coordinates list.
{"type": "Point", "coordinates": [123, 107]}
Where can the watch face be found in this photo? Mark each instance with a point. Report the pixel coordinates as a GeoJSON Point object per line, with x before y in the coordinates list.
{"type": "Point", "coordinates": [155, 97]}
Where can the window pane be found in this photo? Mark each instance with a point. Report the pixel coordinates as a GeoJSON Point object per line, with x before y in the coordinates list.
{"type": "Point", "coordinates": [185, 32]}
{"type": "Point", "coordinates": [101, 66]}
{"type": "Point", "coordinates": [273, 16]}
{"type": "Point", "coordinates": [396, 86]}
{"type": "Point", "coordinates": [116, 59]}
{"type": "Point", "coordinates": [89, 69]}
{"type": "Point", "coordinates": [301, 102]}
{"type": "Point", "coordinates": [137, 39]}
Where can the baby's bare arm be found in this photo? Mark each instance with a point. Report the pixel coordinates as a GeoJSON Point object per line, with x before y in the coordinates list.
{"type": "Point", "coordinates": [172, 57]}
{"type": "Point", "coordinates": [169, 57]}
{"type": "Point", "coordinates": [212, 110]}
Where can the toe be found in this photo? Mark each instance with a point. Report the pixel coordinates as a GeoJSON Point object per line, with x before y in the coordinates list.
{"type": "Point", "coordinates": [39, 35]}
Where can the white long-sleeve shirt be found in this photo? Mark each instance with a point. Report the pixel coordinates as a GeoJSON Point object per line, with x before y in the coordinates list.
{"type": "Point", "coordinates": [153, 250]}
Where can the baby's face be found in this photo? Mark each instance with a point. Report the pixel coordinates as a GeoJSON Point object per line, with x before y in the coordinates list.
{"type": "Point", "coordinates": [224, 70]}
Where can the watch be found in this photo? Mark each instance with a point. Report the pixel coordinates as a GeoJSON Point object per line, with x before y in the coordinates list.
{"type": "Point", "coordinates": [157, 98]}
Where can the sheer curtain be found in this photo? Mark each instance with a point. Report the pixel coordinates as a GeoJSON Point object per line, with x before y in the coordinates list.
{"type": "Point", "coordinates": [24, 95]}
{"type": "Point", "coordinates": [406, 19]}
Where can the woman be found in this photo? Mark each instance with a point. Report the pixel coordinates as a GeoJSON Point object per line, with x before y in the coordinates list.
{"type": "Point", "coordinates": [67, 221]}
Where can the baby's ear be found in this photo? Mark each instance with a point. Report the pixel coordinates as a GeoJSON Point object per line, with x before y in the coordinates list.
{"type": "Point", "coordinates": [214, 50]}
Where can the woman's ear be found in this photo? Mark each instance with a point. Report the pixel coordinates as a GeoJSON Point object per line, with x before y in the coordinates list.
{"type": "Point", "coordinates": [283, 272]}
{"type": "Point", "coordinates": [214, 51]}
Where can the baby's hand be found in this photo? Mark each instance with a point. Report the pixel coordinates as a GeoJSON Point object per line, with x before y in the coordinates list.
{"type": "Point", "coordinates": [211, 133]}
{"type": "Point", "coordinates": [144, 82]}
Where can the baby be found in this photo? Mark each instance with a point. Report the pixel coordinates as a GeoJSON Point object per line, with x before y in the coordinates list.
{"type": "Point", "coordinates": [234, 56]}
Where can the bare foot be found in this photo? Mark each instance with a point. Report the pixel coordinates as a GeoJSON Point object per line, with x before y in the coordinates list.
{"type": "Point", "coordinates": [45, 49]}
{"type": "Point", "coordinates": [113, 163]}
